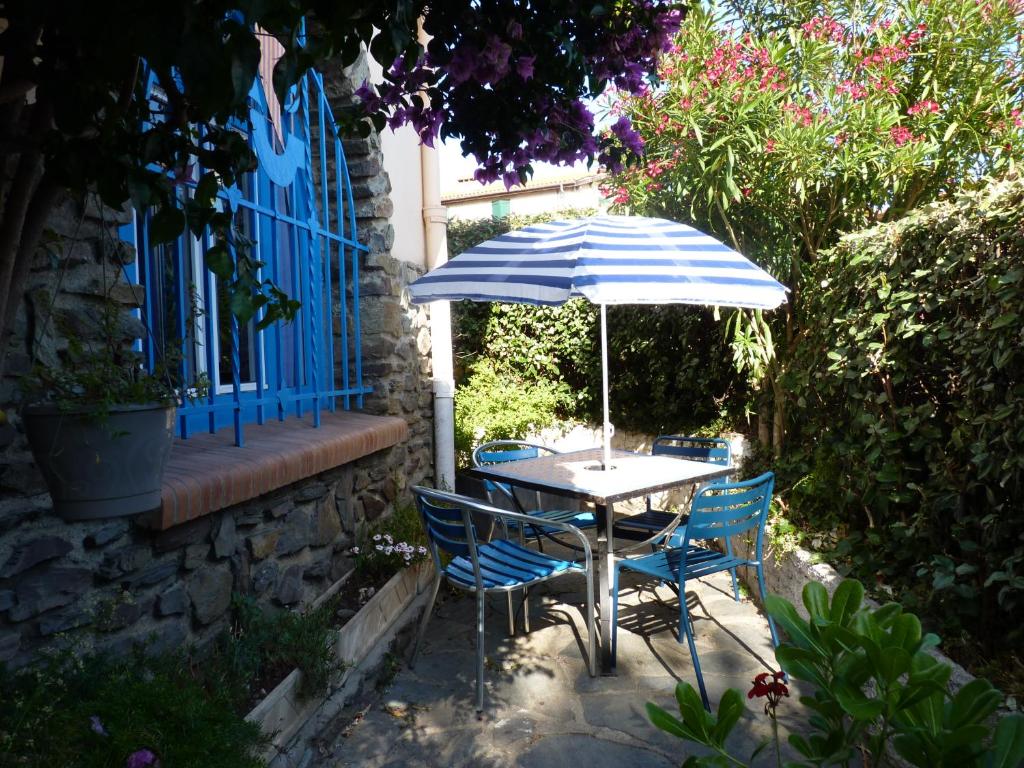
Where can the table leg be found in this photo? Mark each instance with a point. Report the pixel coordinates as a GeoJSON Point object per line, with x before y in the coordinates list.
{"type": "Point", "coordinates": [606, 563]}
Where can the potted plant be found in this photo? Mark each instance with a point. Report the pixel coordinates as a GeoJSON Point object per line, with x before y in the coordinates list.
{"type": "Point", "coordinates": [100, 428]}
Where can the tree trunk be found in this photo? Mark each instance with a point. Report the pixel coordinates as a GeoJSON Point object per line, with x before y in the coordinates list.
{"type": "Point", "coordinates": [779, 421]}
{"type": "Point", "coordinates": [764, 418]}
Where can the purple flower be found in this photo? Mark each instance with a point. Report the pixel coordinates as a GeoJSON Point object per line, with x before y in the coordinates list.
{"type": "Point", "coordinates": [524, 66]}
{"type": "Point", "coordinates": [142, 758]}
{"type": "Point", "coordinates": [462, 64]}
{"type": "Point", "coordinates": [630, 139]}
{"type": "Point", "coordinates": [96, 725]}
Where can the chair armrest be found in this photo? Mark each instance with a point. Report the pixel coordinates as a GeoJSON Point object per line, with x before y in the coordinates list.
{"type": "Point", "coordinates": [466, 503]}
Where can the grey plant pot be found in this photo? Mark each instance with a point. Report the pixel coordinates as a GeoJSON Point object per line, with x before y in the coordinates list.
{"type": "Point", "coordinates": [101, 468]}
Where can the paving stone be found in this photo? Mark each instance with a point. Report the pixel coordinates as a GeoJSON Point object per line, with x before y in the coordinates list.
{"type": "Point", "coordinates": [34, 552]}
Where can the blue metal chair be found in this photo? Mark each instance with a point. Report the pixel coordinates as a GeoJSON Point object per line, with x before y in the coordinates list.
{"type": "Point", "coordinates": [498, 566]}
{"type": "Point", "coordinates": [500, 451]}
{"type": "Point", "coordinates": [718, 511]}
{"type": "Point", "coordinates": [646, 525]}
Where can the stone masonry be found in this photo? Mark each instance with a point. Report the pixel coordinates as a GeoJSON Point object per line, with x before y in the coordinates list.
{"type": "Point", "coordinates": [116, 584]}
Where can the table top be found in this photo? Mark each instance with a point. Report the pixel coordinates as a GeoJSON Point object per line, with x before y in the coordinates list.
{"type": "Point", "coordinates": [579, 474]}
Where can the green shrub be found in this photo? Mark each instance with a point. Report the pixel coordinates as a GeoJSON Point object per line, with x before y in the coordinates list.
{"type": "Point", "coordinates": [264, 644]}
{"type": "Point", "coordinates": [875, 689]}
{"type": "Point", "coordinates": [909, 433]}
{"type": "Point", "coordinates": [95, 712]}
{"type": "Point", "coordinates": [493, 407]}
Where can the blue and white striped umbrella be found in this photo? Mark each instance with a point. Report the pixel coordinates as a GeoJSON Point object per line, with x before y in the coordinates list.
{"type": "Point", "coordinates": [608, 260]}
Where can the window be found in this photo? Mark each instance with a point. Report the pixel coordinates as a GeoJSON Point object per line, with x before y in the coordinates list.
{"type": "Point", "coordinates": [500, 209]}
{"type": "Point", "coordinates": [296, 214]}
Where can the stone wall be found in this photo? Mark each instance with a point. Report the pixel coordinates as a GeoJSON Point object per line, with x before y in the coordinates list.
{"type": "Point", "coordinates": [117, 584]}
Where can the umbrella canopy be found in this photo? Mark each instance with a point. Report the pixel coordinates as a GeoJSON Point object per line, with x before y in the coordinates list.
{"type": "Point", "coordinates": [607, 260]}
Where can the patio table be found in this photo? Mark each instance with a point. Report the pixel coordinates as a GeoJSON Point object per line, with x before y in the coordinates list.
{"type": "Point", "coordinates": [579, 475]}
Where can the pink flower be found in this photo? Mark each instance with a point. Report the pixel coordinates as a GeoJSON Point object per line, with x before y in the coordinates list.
{"type": "Point", "coordinates": [925, 106]}
{"type": "Point", "coordinates": [142, 758]}
{"type": "Point", "coordinates": [901, 135]}
{"type": "Point", "coordinates": [824, 28]}
{"type": "Point", "coordinates": [769, 146]}
{"type": "Point", "coordinates": [855, 90]}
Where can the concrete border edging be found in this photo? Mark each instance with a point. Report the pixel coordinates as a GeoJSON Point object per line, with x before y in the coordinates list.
{"type": "Point", "coordinates": [283, 714]}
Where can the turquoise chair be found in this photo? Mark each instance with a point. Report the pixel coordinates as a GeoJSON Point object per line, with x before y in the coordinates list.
{"type": "Point", "coordinates": [719, 511]}
{"type": "Point", "coordinates": [497, 566]}
{"type": "Point", "coordinates": [500, 451]}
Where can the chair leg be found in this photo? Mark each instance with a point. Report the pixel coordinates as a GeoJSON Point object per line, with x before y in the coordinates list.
{"type": "Point", "coordinates": [685, 627]}
{"type": "Point", "coordinates": [511, 615]}
{"type": "Point", "coordinates": [592, 627]}
{"type": "Point", "coordinates": [526, 610]}
{"type": "Point", "coordinates": [480, 653]}
{"type": "Point", "coordinates": [764, 598]}
{"type": "Point", "coordinates": [425, 620]}
{"type": "Point", "coordinates": [615, 612]}
{"type": "Point", "coordinates": [732, 571]}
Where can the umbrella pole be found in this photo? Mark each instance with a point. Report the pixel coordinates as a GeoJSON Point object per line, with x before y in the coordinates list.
{"type": "Point", "coordinates": [607, 427]}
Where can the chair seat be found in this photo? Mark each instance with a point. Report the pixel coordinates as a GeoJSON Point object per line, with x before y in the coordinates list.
{"type": "Point", "coordinates": [665, 564]}
{"type": "Point", "coordinates": [645, 525]}
{"type": "Point", "coordinates": [507, 564]}
{"type": "Point", "coordinates": [573, 517]}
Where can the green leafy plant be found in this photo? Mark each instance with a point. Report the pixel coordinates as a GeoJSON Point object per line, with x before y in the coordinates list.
{"type": "Point", "coordinates": [875, 688]}
{"type": "Point", "coordinates": [265, 645]}
{"type": "Point", "coordinates": [490, 406]}
{"type": "Point", "coordinates": [100, 712]}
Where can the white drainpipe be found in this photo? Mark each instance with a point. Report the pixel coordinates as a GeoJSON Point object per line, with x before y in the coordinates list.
{"type": "Point", "coordinates": [435, 225]}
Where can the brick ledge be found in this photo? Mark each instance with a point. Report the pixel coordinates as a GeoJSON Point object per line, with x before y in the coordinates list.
{"type": "Point", "coordinates": [208, 472]}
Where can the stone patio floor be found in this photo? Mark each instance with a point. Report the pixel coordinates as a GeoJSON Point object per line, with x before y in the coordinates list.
{"type": "Point", "coordinates": [542, 708]}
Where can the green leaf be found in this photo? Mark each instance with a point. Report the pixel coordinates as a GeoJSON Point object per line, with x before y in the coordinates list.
{"type": "Point", "coordinates": [816, 599]}
{"type": "Point", "coordinates": [800, 663]}
{"type": "Point", "coordinates": [846, 601]}
{"type": "Point", "coordinates": [166, 225]}
{"type": "Point", "coordinates": [855, 703]}
{"type": "Point", "coordinates": [783, 612]}
{"type": "Point", "coordinates": [973, 703]}
{"type": "Point", "coordinates": [1008, 745]}
{"type": "Point", "coordinates": [950, 130]}
{"type": "Point", "coordinates": [669, 724]}
{"type": "Point", "coordinates": [730, 709]}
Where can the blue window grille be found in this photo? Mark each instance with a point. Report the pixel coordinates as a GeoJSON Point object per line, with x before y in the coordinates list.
{"type": "Point", "coordinates": [297, 213]}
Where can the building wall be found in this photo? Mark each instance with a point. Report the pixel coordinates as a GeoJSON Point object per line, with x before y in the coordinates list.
{"type": "Point", "coordinates": [529, 202]}
{"type": "Point", "coordinates": [117, 584]}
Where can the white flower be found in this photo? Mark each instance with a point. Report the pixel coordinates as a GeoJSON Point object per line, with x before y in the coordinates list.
{"type": "Point", "coordinates": [388, 539]}
{"type": "Point", "coordinates": [376, 537]}
{"type": "Point", "coordinates": [380, 547]}
{"type": "Point", "coordinates": [422, 550]}
{"type": "Point", "coordinates": [388, 550]}
{"type": "Point", "coordinates": [354, 550]}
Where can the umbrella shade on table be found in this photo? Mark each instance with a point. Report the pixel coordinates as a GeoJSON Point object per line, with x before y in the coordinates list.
{"type": "Point", "coordinates": [607, 260]}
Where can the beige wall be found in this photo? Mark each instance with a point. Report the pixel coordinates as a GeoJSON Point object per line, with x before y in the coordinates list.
{"type": "Point", "coordinates": [529, 203]}
{"type": "Point", "coordinates": [402, 162]}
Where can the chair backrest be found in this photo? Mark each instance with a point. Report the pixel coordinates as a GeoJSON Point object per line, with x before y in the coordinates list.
{"type": "Point", "coordinates": [725, 509]}
{"type": "Point", "coordinates": [712, 450]}
{"type": "Point", "coordinates": [448, 522]}
{"type": "Point", "coordinates": [501, 451]}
